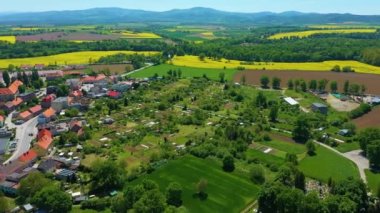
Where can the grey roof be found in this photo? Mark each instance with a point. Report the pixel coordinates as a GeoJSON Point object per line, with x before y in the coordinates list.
{"type": "Point", "coordinates": [319, 105]}
{"type": "Point", "coordinates": [7, 184]}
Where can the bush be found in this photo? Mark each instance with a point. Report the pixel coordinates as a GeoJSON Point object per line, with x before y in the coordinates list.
{"type": "Point", "coordinates": [257, 174]}
{"type": "Point", "coordinates": [361, 110]}
{"type": "Point", "coordinates": [96, 204]}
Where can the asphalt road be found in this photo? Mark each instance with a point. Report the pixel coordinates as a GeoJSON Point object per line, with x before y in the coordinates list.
{"type": "Point", "coordinates": [23, 137]}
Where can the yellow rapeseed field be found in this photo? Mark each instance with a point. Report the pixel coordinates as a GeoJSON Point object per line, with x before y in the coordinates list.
{"type": "Point", "coordinates": [129, 34]}
{"type": "Point", "coordinates": [66, 58]}
{"type": "Point", "coordinates": [304, 34]}
{"type": "Point", "coordinates": [194, 61]}
{"type": "Point", "coordinates": [10, 39]}
{"type": "Point", "coordinates": [25, 28]}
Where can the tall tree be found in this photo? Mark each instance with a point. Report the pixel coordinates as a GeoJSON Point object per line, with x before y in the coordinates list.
{"type": "Point", "coordinates": [301, 132]}
{"type": "Point", "coordinates": [273, 114]}
{"type": "Point", "coordinates": [174, 194]}
{"type": "Point", "coordinates": [152, 201]}
{"type": "Point", "coordinates": [6, 78]}
{"type": "Point", "coordinates": [228, 163]}
{"type": "Point", "coordinates": [334, 86]}
{"type": "Point", "coordinates": [346, 87]}
{"type": "Point", "coordinates": [264, 80]}
{"type": "Point", "coordinates": [52, 199]}
{"type": "Point", "coordinates": [276, 83]}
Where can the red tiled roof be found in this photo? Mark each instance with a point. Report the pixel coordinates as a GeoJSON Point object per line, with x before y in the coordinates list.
{"type": "Point", "coordinates": [5, 91]}
{"type": "Point", "coordinates": [35, 109]}
{"type": "Point", "coordinates": [28, 156]}
{"type": "Point", "coordinates": [44, 142]}
{"type": "Point", "coordinates": [49, 98]}
{"type": "Point", "coordinates": [113, 94]}
{"type": "Point", "coordinates": [93, 78]}
{"type": "Point", "coordinates": [25, 114]}
{"type": "Point", "coordinates": [49, 112]}
{"type": "Point", "coordinates": [17, 102]}
{"type": "Point", "coordinates": [14, 86]}
{"type": "Point", "coordinates": [2, 118]}
{"type": "Point", "coordinates": [44, 132]}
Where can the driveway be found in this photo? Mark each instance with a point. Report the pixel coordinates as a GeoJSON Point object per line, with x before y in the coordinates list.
{"type": "Point", "coordinates": [23, 137]}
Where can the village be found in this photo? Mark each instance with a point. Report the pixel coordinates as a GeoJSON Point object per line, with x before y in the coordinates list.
{"type": "Point", "coordinates": [34, 119]}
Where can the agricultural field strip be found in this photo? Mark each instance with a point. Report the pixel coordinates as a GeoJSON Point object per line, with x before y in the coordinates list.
{"type": "Point", "coordinates": [304, 34]}
{"type": "Point", "coordinates": [67, 58]}
{"type": "Point", "coordinates": [194, 61]}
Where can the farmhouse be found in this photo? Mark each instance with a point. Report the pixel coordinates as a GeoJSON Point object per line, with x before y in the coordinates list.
{"type": "Point", "coordinates": [318, 107]}
{"type": "Point", "coordinates": [46, 101]}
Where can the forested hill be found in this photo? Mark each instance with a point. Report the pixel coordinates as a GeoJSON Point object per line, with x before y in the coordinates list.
{"type": "Point", "coordinates": [194, 15]}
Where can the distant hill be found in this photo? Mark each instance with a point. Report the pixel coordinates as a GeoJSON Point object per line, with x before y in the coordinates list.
{"type": "Point", "coordinates": [190, 16]}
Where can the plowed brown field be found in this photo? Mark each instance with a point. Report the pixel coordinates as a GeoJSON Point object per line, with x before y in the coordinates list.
{"type": "Point", "coordinates": [371, 81]}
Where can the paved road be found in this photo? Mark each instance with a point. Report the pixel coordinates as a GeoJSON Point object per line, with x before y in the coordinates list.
{"type": "Point", "coordinates": [22, 136]}
{"type": "Point", "coordinates": [355, 156]}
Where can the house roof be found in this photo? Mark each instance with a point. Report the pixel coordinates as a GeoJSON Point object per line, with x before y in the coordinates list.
{"type": "Point", "coordinates": [49, 98]}
{"type": "Point", "coordinates": [319, 105]}
{"type": "Point", "coordinates": [35, 109]}
{"type": "Point", "coordinates": [25, 114]}
{"type": "Point", "coordinates": [76, 93]}
{"type": "Point", "coordinates": [93, 78]}
{"type": "Point", "coordinates": [28, 156]}
{"type": "Point", "coordinates": [17, 102]}
{"type": "Point", "coordinates": [113, 93]}
{"type": "Point", "coordinates": [12, 89]}
{"type": "Point", "coordinates": [44, 132]}
{"type": "Point", "coordinates": [14, 86]}
{"type": "Point", "coordinates": [49, 112]}
{"type": "Point", "coordinates": [291, 101]}
{"type": "Point", "coordinates": [45, 141]}
{"type": "Point", "coordinates": [2, 118]}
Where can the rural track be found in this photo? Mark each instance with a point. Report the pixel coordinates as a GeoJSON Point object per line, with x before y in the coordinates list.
{"type": "Point", "coordinates": [249, 208]}
{"type": "Point", "coordinates": [355, 156]}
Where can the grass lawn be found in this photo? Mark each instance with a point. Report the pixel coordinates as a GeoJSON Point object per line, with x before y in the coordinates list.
{"type": "Point", "coordinates": [326, 164]}
{"type": "Point", "coordinates": [163, 69]}
{"type": "Point", "coordinates": [227, 192]}
{"type": "Point", "coordinates": [288, 147]}
{"type": "Point", "coordinates": [347, 147]}
{"type": "Point", "coordinates": [265, 159]}
{"type": "Point", "coordinates": [373, 180]}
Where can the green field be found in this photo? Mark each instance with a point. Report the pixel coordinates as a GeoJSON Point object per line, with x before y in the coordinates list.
{"type": "Point", "coordinates": [373, 180]}
{"type": "Point", "coordinates": [288, 147]}
{"type": "Point", "coordinates": [227, 192]}
{"type": "Point", "coordinates": [163, 69]}
{"type": "Point", "coordinates": [265, 159]}
{"type": "Point", "coordinates": [326, 164]}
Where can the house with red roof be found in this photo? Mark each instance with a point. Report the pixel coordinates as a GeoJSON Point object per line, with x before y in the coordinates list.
{"type": "Point", "coordinates": [114, 94]}
{"type": "Point", "coordinates": [28, 157]}
{"type": "Point", "coordinates": [25, 116]}
{"type": "Point", "coordinates": [47, 116]}
{"type": "Point", "coordinates": [10, 93]}
{"type": "Point", "coordinates": [45, 142]}
{"type": "Point", "coordinates": [12, 105]}
{"type": "Point", "coordinates": [101, 78]}
{"type": "Point", "coordinates": [47, 100]}
{"type": "Point", "coordinates": [36, 110]}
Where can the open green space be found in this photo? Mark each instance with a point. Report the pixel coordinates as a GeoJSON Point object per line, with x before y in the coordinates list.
{"type": "Point", "coordinates": [187, 72]}
{"type": "Point", "coordinates": [227, 192]}
{"type": "Point", "coordinates": [288, 147]}
{"type": "Point", "coordinates": [326, 164]}
{"type": "Point", "coordinates": [373, 180]}
{"type": "Point", "coordinates": [347, 147]}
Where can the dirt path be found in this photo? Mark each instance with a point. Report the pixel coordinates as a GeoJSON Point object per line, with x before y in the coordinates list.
{"type": "Point", "coordinates": [355, 156]}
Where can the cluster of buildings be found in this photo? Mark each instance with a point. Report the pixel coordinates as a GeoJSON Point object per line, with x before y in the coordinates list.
{"type": "Point", "coordinates": [51, 123]}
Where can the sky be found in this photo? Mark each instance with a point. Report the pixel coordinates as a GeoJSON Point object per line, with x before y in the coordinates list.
{"type": "Point", "coordinates": [369, 7]}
